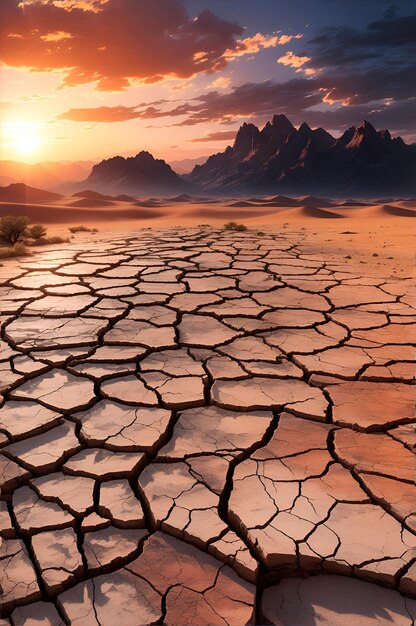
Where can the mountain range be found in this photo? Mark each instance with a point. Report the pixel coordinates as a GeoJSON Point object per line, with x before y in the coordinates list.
{"type": "Point", "coordinates": [278, 158]}
{"type": "Point", "coordinates": [281, 158]}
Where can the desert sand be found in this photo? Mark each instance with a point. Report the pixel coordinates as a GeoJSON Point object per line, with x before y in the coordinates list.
{"type": "Point", "coordinates": [209, 427]}
{"type": "Point", "coordinates": [379, 236]}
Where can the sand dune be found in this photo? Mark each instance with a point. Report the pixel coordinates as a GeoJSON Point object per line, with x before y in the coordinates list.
{"type": "Point", "coordinates": [94, 195]}
{"type": "Point", "coordinates": [224, 213]}
{"type": "Point", "coordinates": [314, 201]}
{"type": "Point", "coordinates": [353, 203]}
{"type": "Point", "coordinates": [96, 208]}
{"type": "Point", "coordinates": [55, 214]}
{"type": "Point", "coordinates": [123, 198]}
{"type": "Point", "coordinates": [400, 211]}
{"type": "Point", "coordinates": [241, 204]}
{"type": "Point", "coordinates": [313, 211]}
{"type": "Point", "coordinates": [91, 202]}
{"type": "Point", "coordinates": [149, 204]}
{"type": "Point", "coordinates": [381, 236]}
{"type": "Point", "coordinates": [284, 200]}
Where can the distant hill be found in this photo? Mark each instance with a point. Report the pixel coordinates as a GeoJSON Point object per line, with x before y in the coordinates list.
{"type": "Point", "coordinates": [281, 158]}
{"type": "Point", "coordinates": [185, 166]}
{"type": "Point", "coordinates": [19, 192]}
{"type": "Point", "coordinates": [45, 175]}
{"type": "Point", "coordinates": [142, 174]}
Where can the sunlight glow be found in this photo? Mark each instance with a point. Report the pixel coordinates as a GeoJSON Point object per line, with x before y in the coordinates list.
{"type": "Point", "coordinates": [22, 135]}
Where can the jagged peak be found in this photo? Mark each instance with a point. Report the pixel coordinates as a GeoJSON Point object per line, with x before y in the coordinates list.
{"type": "Point", "coordinates": [304, 128]}
{"type": "Point", "coordinates": [366, 128]}
{"type": "Point", "coordinates": [144, 155]}
{"type": "Point", "coordinates": [247, 128]}
{"type": "Point", "coordinates": [365, 134]}
{"type": "Point", "coordinates": [282, 121]}
{"type": "Point", "coordinates": [246, 135]}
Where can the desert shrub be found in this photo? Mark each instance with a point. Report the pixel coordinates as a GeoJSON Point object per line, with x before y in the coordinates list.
{"type": "Point", "coordinates": [10, 251]}
{"type": "Point", "coordinates": [12, 228]}
{"type": "Point", "coordinates": [47, 241]}
{"type": "Point", "coordinates": [82, 229]}
{"type": "Point", "coordinates": [235, 226]}
{"type": "Point", "coordinates": [37, 231]}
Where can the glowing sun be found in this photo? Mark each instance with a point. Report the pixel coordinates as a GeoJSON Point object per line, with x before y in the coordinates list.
{"type": "Point", "coordinates": [23, 136]}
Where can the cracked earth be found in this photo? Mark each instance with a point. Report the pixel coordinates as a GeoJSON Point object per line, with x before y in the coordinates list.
{"type": "Point", "coordinates": [205, 427]}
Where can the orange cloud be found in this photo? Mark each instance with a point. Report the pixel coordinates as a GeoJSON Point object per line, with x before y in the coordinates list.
{"type": "Point", "coordinates": [296, 61]}
{"type": "Point", "coordinates": [293, 60]}
{"type": "Point", "coordinates": [69, 5]}
{"type": "Point", "coordinates": [108, 114]}
{"type": "Point", "coordinates": [253, 45]}
{"type": "Point", "coordinates": [116, 42]}
{"type": "Point", "coordinates": [222, 82]}
{"type": "Point", "coordinates": [56, 36]}
{"type": "Point", "coordinates": [283, 39]}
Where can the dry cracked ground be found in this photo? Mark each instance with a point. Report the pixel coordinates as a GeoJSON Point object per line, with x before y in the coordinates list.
{"type": "Point", "coordinates": [201, 427]}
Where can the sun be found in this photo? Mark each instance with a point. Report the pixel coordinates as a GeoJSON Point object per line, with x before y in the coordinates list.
{"type": "Point", "coordinates": [22, 136]}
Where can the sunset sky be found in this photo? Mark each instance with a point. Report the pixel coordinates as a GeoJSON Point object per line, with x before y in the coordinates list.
{"type": "Point", "coordinates": [88, 79]}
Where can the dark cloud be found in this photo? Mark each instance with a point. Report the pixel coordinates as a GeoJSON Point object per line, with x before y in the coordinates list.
{"type": "Point", "coordinates": [399, 117]}
{"type": "Point", "coordinates": [220, 135]}
{"type": "Point", "coordinates": [117, 42]}
{"type": "Point", "coordinates": [364, 95]}
{"type": "Point", "coordinates": [358, 73]}
{"type": "Point", "coordinates": [370, 85]}
{"type": "Point", "coordinates": [386, 41]}
{"type": "Point", "coordinates": [251, 99]}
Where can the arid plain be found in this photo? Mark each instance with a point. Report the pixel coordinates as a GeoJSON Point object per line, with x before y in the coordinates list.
{"type": "Point", "coordinates": [202, 426]}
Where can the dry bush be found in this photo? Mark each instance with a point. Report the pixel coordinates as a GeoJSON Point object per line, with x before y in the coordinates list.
{"type": "Point", "coordinates": [235, 226]}
{"type": "Point", "coordinates": [82, 229]}
{"type": "Point", "coordinates": [12, 228]}
{"type": "Point", "coordinates": [37, 231]}
{"type": "Point", "coordinates": [10, 251]}
{"type": "Point", "coordinates": [47, 241]}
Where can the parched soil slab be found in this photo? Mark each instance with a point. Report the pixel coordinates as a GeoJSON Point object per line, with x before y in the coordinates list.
{"type": "Point", "coordinates": [120, 427]}
{"type": "Point", "coordinates": [43, 613]}
{"type": "Point", "coordinates": [334, 601]}
{"type": "Point", "coordinates": [357, 404]}
{"type": "Point", "coordinates": [215, 430]}
{"type": "Point", "coordinates": [99, 463]}
{"type": "Point", "coordinates": [58, 558]}
{"type": "Point", "coordinates": [266, 393]}
{"type": "Point", "coordinates": [19, 581]}
{"type": "Point", "coordinates": [45, 332]}
{"type": "Point", "coordinates": [58, 390]}
{"type": "Point", "coordinates": [43, 453]}
{"type": "Point", "coordinates": [24, 419]}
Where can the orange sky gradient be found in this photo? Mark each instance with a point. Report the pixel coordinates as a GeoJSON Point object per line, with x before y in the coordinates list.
{"type": "Point", "coordinates": [88, 79]}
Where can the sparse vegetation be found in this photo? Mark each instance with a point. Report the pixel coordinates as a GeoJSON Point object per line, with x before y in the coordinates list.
{"type": "Point", "coordinates": [16, 236]}
{"type": "Point", "coordinates": [82, 229]}
{"type": "Point", "coordinates": [10, 251]}
{"type": "Point", "coordinates": [47, 241]}
{"type": "Point", "coordinates": [235, 226]}
{"type": "Point", "coordinates": [12, 229]}
{"type": "Point", "coordinates": [37, 231]}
